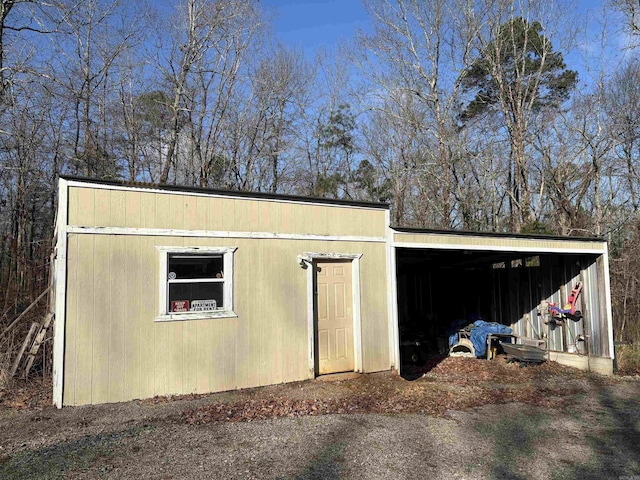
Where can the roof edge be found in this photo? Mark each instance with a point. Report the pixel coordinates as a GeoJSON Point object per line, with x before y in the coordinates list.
{"type": "Point", "coordinates": [229, 193]}
{"type": "Point", "coordinates": [533, 236]}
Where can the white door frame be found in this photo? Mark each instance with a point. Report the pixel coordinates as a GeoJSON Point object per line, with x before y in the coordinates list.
{"type": "Point", "coordinates": [307, 261]}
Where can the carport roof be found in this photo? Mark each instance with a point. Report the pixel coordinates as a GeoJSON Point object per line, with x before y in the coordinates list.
{"type": "Point", "coordinates": [467, 233]}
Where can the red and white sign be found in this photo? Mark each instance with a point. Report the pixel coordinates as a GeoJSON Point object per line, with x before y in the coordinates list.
{"type": "Point", "coordinates": [180, 305]}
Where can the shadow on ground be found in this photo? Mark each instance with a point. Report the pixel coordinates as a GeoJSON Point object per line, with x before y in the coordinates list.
{"type": "Point", "coordinates": [616, 442]}
{"type": "Point", "coordinates": [514, 439]}
{"type": "Point", "coordinates": [90, 452]}
{"type": "Point", "coordinates": [610, 433]}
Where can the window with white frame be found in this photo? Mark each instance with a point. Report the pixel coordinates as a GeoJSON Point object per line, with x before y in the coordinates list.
{"type": "Point", "coordinates": [196, 282]}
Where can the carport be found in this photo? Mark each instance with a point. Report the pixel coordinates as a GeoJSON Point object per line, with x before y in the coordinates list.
{"type": "Point", "coordinates": [444, 276]}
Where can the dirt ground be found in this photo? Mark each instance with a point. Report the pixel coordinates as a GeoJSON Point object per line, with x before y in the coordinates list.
{"type": "Point", "coordinates": [464, 419]}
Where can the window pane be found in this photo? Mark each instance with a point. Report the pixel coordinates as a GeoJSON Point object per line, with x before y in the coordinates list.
{"type": "Point", "coordinates": [195, 266]}
{"type": "Point", "coordinates": [190, 297]}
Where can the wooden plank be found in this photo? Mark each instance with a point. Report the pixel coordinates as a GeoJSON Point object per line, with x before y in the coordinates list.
{"type": "Point", "coordinates": [285, 218]}
{"type": "Point", "coordinates": [203, 356]}
{"type": "Point", "coordinates": [212, 343]}
{"type": "Point", "coordinates": [132, 316]}
{"type": "Point", "coordinates": [81, 321]}
{"type": "Point", "coordinates": [118, 300]}
{"type": "Point", "coordinates": [148, 283]}
{"type": "Point", "coordinates": [190, 212]}
{"type": "Point", "coordinates": [132, 210]}
{"type": "Point", "coordinates": [268, 216]}
{"type": "Point", "coordinates": [16, 362]}
{"type": "Point", "coordinates": [148, 210]}
{"type": "Point", "coordinates": [101, 319]}
{"type": "Point", "coordinates": [230, 329]}
{"type": "Point", "coordinates": [102, 208]}
{"type": "Point", "coordinates": [26, 310]}
{"type": "Point", "coordinates": [202, 213]}
{"type": "Point", "coordinates": [264, 328]}
{"type": "Point", "coordinates": [241, 217]}
{"type": "Point", "coordinates": [280, 281]}
{"type": "Point", "coordinates": [118, 209]}
{"type": "Point", "coordinates": [73, 302]}
{"type": "Point", "coordinates": [82, 209]}
{"type": "Point", "coordinates": [162, 213]}
{"type": "Point", "coordinates": [73, 205]}
{"type": "Point", "coordinates": [175, 357]}
{"type": "Point", "coordinates": [37, 342]}
{"type": "Point", "coordinates": [175, 216]}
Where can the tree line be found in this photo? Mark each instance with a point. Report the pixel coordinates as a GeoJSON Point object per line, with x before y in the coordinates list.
{"type": "Point", "coordinates": [488, 115]}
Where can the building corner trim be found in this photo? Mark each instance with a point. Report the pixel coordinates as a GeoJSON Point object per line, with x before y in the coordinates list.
{"type": "Point", "coordinates": [60, 292]}
{"type": "Point", "coordinates": [392, 303]}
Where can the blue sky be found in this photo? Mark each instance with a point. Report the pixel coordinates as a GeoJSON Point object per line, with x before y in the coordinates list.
{"type": "Point", "coordinates": [311, 24]}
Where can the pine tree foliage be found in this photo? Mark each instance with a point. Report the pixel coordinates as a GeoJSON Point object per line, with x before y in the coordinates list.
{"type": "Point", "coordinates": [519, 66]}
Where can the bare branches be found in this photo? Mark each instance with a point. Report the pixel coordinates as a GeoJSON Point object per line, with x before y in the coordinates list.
{"type": "Point", "coordinates": [631, 10]}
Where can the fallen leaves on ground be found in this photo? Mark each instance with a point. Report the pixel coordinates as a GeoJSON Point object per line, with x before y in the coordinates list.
{"type": "Point", "coordinates": [451, 384]}
{"type": "Point", "coordinates": [454, 384]}
{"type": "Point", "coordinates": [23, 394]}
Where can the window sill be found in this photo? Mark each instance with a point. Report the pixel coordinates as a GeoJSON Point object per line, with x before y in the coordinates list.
{"type": "Point", "coordinates": [174, 317]}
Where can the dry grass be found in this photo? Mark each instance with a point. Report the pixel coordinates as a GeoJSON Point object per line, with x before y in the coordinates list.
{"type": "Point", "coordinates": [628, 359]}
{"type": "Point", "coordinates": [5, 365]}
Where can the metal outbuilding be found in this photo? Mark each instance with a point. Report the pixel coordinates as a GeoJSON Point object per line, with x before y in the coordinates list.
{"type": "Point", "coordinates": [171, 290]}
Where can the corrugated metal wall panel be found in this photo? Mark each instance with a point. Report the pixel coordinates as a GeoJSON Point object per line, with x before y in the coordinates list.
{"type": "Point", "coordinates": [519, 291]}
{"type": "Point", "coordinates": [565, 272]}
{"type": "Point", "coordinates": [592, 307]}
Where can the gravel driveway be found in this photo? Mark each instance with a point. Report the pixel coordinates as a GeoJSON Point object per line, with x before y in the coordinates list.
{"type": "Point", "coordinates": [593, 432]}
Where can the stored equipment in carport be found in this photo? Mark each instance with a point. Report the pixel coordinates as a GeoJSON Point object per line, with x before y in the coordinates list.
{"type": "Point", "coordinates": [559, 315]}
{"type": "Point", "coordinates": [525, 354]}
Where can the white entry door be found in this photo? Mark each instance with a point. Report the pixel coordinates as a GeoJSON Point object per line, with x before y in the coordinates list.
{"type": "Point", "coordinates": [334, 317]}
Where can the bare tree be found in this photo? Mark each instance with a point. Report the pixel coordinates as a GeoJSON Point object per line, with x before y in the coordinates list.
{"type": "Point", "coordinates": [418, 49]}
{"type": "Point", "coordinates": [210, 39]}
{"type": "Point", "coordinates": [631, 10]}
{"type": "Point", "coordinates": [266, 120]}
{"type": "Point", "coordinates": [622, 100]}
{"type": "Point", "coordinates": [84, 64]}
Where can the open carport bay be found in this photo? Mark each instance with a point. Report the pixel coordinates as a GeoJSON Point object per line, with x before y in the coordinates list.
{"type": "Point", "coordinates": [438, 287]}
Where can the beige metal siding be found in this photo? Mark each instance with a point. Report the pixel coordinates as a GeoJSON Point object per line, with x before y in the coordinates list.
{"type": "Point", "coordinates": [485, 242]}
{"type": "Point", "coordinates": [116, 351]}
{"type": "Point", "coordinates": [97, 207]}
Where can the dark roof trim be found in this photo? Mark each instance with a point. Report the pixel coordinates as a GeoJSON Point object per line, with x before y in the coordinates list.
{"type": "Point", "coordinates": [497, 234]}
{"type": "Point", "coordinates": [230, 193]}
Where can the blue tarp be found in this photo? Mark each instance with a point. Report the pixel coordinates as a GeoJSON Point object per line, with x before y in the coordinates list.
{"type": "Point", "coordinates": [478, 335]}
{"type": "Point", "coordinates": [480, 332]}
